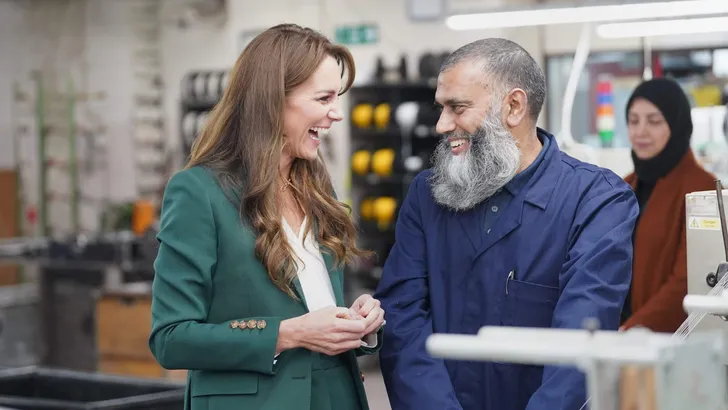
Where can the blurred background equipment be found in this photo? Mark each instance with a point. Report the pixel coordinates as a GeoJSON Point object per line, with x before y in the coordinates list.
{"type": "Point", "coordinates": [392, 139]}
{"type": "Point", "coordinates": [201, 90]}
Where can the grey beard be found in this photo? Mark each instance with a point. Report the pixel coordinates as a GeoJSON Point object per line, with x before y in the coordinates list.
{"type": "Point", "coordinates": [492, 160]}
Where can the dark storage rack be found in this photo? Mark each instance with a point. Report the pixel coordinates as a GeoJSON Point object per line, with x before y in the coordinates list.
{"type": "Point", "coordinates": [413, 138]}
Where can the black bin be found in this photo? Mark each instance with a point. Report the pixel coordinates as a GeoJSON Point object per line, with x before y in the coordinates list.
{"type": "Point", "coordinates": [37, 388]}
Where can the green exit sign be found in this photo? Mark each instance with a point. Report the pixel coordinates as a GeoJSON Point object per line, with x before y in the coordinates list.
{"type": "Point", "coordinates": [359, 34]}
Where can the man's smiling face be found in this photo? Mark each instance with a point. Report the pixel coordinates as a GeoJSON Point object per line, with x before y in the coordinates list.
{"type": "Point", "coordinates": [465, 100]}
{"type": "Point", "coordinates": [477, 155]}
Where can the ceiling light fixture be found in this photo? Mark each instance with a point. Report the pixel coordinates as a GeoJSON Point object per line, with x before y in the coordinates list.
{"type": "Point", "coordinates": [663, 27]}
{"type": "Point", "coordinates": [586, 14]}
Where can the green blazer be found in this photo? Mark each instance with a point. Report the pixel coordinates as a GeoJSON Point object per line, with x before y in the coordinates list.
{"type": "Point", "coordinates": [216, 313]}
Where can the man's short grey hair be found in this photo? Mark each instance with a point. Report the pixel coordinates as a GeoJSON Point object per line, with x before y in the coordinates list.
{"type": "Point", "coordinates": [506, 66]}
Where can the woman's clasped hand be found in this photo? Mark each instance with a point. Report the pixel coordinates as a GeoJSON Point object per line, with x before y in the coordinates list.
{"type": "Point", "coordinates": [369, 309]}
{"type": "Point", "coordinates": [334, 330]}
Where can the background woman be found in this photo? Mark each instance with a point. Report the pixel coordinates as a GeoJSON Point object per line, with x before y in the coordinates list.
{"type": "Point", "coordinates": [248, 292]}
{"type": "Point", "coordinates": [660, 126]}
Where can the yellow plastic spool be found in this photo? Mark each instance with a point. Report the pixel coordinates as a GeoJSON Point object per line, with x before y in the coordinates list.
{"type": "Point", "coordinates": [382, 113]}
{"type": "Point", "coordinates": [383, 162]}
{"type": "Point", "coordinates": [366, 209]}
{"type": "Point", "coordinates": [360, 162]}
{"type": "Point", "coordinates": [384, 209]}
{"type": "Point", "coordinates": [361, 115]}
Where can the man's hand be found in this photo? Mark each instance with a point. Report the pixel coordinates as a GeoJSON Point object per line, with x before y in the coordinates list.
{"type": "Point", "coordinates": [367, 308]}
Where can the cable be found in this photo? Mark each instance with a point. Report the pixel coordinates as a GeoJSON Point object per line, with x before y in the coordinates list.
{"type": "Point", "coordinates": [580, 58]}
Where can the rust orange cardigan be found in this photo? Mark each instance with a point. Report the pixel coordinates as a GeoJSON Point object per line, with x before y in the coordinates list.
{"type": "Point", "coordinates": [659, 275]}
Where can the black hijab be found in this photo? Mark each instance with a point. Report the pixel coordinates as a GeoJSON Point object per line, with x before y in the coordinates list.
{"type": "Point", "coordinates": [670, 99]}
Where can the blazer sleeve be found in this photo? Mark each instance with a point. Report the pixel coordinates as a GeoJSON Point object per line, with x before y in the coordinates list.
{"type": "Point", "coordinates": [182, 292]}
{"type": "Point", "coordinates": [414, 379]}
{"type": "Point", "coordinates": [594, 282]}
{"type": "Point", "coordinates": [664, 311]}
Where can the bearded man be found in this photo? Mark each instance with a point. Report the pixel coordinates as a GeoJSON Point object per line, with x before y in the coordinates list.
{"type": "Point", "coordinates": [504, 230]}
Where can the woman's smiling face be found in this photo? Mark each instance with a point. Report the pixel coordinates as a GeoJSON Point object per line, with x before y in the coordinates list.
{"type": "Point", "coordinates": [310, 110]}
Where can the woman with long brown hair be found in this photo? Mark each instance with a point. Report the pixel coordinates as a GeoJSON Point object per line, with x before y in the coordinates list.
{"type": "Point", "coordinates": [248, 287]}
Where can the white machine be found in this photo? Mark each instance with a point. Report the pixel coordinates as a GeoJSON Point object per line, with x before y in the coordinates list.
{"type": "Point", "coordinates": [707, 248]}
{"type": "Point", "coordinates": [633, 370]}
{"type": "Point", "coordinates": [636, 369]}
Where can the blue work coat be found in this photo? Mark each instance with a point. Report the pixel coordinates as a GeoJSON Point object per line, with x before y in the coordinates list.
{"type": "Point", "coordinates": [560, 252]}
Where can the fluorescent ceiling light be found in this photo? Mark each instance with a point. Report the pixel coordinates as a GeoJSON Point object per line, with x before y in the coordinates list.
{"type": "Point", "coordinates": [586, 14]}
{"type": "Point", "coordinates": [663, 27]}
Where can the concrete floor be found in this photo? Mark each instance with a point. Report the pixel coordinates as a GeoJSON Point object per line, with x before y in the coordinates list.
{"type": "Point", "coordinates": [376, 393]}
{"type": "Point", "coordinates": [373, 383]}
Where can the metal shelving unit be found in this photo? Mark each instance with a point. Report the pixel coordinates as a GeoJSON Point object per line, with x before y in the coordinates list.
{"type": "Point", "coordinates": [412, 146]}
{"type": "Point", "coordinates": [153, 168]}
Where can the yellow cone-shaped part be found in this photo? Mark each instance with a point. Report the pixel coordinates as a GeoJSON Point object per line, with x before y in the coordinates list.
{"type": "Point", "coordinates": [366, 209]}
{"type": "Point", "coordinates": [382, 114]}
{"type": "Point", "coordinates": [383, 162]}
{"type": "Point", "coordinates": [384, 209]}
{"type": "Point", "coordinates": [360, 162]}
{"type": "Point", "coordinates": [361, 115]}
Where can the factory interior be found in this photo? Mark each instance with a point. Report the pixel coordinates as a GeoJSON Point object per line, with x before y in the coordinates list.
{"type": "Point", "coordinates": [101, 100]}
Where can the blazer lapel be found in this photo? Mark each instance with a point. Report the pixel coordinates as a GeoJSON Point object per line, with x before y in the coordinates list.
{"type": "Point", "coordinates": [335, 274]}
{"type": "Point", "coordinates": [336, 280]}
{"type": "Point", "coordinates": [299, 291]}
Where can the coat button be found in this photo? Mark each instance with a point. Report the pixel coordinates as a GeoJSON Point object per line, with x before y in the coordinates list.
{"type": "Point", "coordinates": [234, 324]}
{"type": "Point", "coordinates": [261, 324]}
{"type": "Point", "coordinates": [362, 376]}
{"type": "Point", "coordinates": [251, 324]}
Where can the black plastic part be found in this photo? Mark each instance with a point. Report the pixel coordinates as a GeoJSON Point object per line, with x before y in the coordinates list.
{"type": "Point", "coordinates": [713, 278]}
{"type": "Point", "coordinates": [34, 388]}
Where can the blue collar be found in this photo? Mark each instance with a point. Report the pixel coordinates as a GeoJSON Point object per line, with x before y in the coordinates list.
{"type": "Point", "coordinates": [520, 181]}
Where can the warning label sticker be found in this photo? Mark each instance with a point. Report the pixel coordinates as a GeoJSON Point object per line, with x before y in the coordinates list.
{"type": "Point", "coordinates": [702, 205]}
{"type": "Point", "coordinates": [697, 222]}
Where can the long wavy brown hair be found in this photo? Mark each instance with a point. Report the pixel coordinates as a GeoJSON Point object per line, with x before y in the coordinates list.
{"type": "Point", "coordinates": [242, 142]}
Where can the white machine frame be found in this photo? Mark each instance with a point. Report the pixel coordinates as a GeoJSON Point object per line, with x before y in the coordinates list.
{"type": "Point", "coordinates": [688, 374]}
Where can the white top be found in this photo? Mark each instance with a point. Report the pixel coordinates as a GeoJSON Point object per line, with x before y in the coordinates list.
{"type": "Point", "coordinates": [312, 272]}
